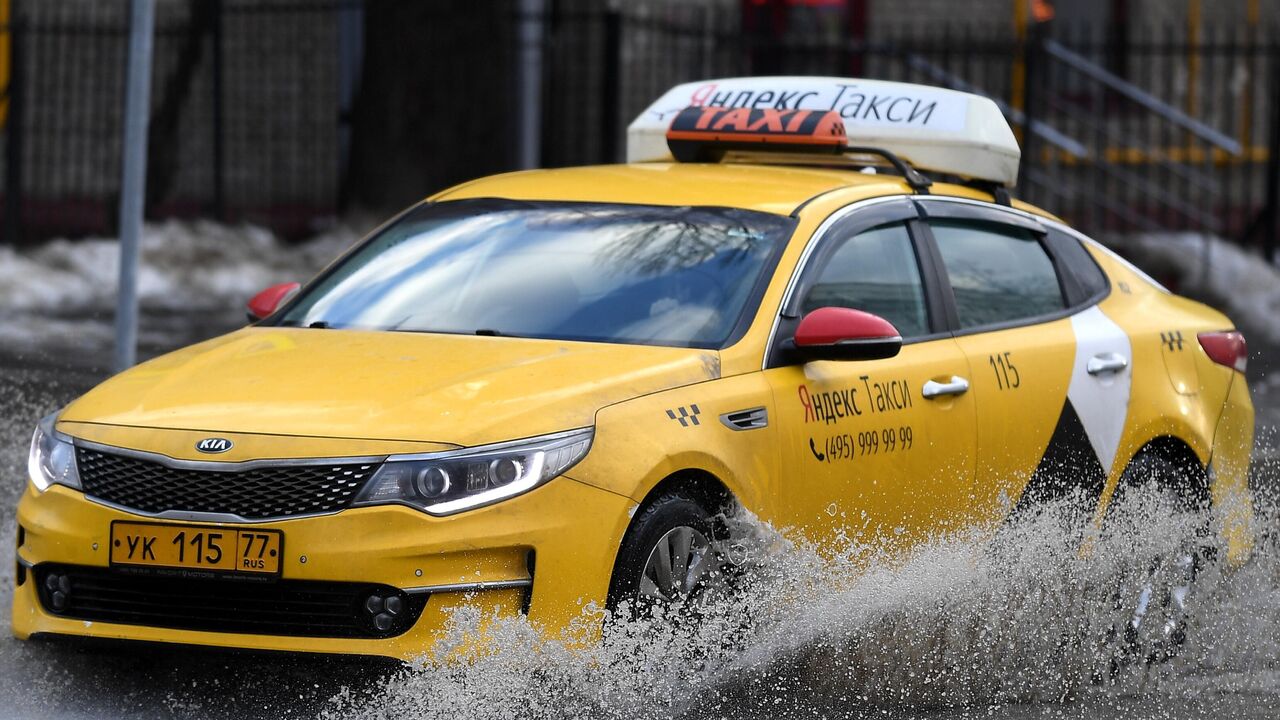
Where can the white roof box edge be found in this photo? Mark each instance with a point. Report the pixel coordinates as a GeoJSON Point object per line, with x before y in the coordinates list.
{"type": "Point", "coordinates": [932, 128]}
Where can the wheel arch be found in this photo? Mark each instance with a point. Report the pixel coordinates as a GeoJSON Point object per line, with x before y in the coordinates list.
{"type": "Point", "coordinates": [702, 486]}
{"type": "Point", "coordinates": [1193, 482]}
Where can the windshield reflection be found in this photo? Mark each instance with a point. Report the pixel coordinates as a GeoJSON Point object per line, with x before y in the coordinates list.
{"type": "Point", "coordinates": [613, 273]}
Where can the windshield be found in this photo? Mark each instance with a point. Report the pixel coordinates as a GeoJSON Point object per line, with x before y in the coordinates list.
{"type": "Point", "coordinates": [680, 276]}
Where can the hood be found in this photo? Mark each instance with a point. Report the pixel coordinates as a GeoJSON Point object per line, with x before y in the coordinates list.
{"type": "Point", "coordinates": [455, 389]}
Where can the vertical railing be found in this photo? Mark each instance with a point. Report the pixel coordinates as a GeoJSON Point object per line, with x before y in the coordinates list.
{"type": "Point", "coordinates": [610, 83]}
{"type": "Point", "coordinates": [1271, 207]}
{"type": "Point", "coordinates": [14, 121]}
{"type": "Point", "coordinates": [1032, 71]}
{"type": "Point", "coordinates": [218, 124]}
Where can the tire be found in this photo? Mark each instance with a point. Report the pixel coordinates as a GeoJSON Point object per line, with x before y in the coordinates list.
{"type": "Point", "coordinates": [1154, 615]}
{"type": "Point", "coordinates": [672, 533]}
{"type": "Point", "coordinates": [1177, 481]}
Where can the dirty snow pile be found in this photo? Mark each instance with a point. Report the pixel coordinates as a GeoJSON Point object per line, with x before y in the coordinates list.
{"type": "Point", "coordinates": [193, 281]}
{"type": "Point", "coordinates": [184, 265]}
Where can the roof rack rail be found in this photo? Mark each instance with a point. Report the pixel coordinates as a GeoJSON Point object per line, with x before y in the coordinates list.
{"type": "Point", "coordinates": [914, 178]}
{"type": "Point", "coordinates": [847, 156]}
{"type": "Point", "coordinates": [998, 192]}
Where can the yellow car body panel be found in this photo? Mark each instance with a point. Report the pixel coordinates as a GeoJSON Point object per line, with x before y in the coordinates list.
{"type": "Point", "coordinates": [658, 414]}
{"type": "Point", "coordinates": [377, 385]}
{"type": "Point", "coordinates": [1012, 373]}
{"type": "Point", "coordinates": [914, 464]}
{"type": "Point", "coordinates": [1200, 403]}
{"type": "Point", "coordinates": [1232, 447]}
{"type": "Point", "coordinates": [771, 189]}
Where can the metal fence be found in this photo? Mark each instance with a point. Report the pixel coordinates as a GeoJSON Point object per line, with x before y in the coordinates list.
{"type": "Point", "coordinates": [285, 112]}
{"type": "Point", "coordinates": [1145, 132]}
{"type": "Point", "coordinates": [244, 122]}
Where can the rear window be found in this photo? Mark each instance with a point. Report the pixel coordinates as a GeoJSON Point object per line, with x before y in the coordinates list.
{"type": "Point", "coordinates": [999, 274]}
{"type": "Point", "coordinates": [1083, 280]}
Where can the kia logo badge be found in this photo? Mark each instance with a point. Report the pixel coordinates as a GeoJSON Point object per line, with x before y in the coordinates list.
{"type": "Point", "coordinates": [214, 445]}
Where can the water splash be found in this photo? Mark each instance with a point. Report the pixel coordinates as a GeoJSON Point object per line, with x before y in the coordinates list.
{"type": "Point", "coordinates": [971, 620]}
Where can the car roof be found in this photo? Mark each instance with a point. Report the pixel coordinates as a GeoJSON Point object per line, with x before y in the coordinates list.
{"type": "Point", "coordinates": [778, 189]}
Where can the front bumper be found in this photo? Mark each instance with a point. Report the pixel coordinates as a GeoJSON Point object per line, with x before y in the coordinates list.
{"type": "Point", "coordinates": [550, 551]}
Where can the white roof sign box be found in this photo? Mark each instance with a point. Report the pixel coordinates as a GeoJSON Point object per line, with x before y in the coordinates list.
{"type": "Point", "coordinates": [932, 128]}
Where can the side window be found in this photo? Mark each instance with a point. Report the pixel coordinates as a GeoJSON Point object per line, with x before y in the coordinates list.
{"type": "Point", "coordinates": [1081, 276]}
{"type": "Point", "coordinates": [999, 274]}
{"type": "Point", "coordinates": [874, 271]}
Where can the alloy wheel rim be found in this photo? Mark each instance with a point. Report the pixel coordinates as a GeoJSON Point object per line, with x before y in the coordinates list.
{"type": "Point", "coordinates": [677, 565]}
{"type": "Point", "coordinates": [1167, 593]}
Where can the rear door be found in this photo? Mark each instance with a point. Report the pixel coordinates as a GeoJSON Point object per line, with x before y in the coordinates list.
{"type": "Point", "coordinates": [880, 448]}
{"type": "Point", "coordinates": [1050, 370]}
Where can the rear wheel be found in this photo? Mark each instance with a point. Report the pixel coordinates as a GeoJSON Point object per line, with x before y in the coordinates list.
{"type": "Point", "coordinates": [1157, 607]}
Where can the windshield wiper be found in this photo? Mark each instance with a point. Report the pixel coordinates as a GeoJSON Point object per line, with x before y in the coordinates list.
{"type": "Point", "coordinates": [488, 332]}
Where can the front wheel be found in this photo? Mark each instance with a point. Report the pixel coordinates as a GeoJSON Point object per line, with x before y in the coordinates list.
{"type": "Point", "coordinates": [668, 556]}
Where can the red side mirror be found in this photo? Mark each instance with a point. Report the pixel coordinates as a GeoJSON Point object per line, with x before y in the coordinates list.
{"type": "Point", "coordinates": [269, 300]}
{"type": "Point", "coordinates": [835, 333]}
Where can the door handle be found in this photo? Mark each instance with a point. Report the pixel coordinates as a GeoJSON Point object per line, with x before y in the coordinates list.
{"type": "Point", "coordinates": [933, 389]}
{"type": "Point", "coordinates": [1107, 362]}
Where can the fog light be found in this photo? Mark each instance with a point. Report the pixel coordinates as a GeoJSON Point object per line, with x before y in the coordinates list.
{"type": "Point", "coordinates": [383, 612]}
{"type": "Point", "coordinates": [59, 587]}
{"type": "Point", "coordinates": [394, 605]}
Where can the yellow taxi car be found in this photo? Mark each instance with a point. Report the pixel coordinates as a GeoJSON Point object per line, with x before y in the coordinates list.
{"type": "Point", "coordinates": [809, 297]}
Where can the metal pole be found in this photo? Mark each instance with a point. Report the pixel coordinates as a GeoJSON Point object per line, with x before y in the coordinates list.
{"type": "Point", "coordinates": [610, 84]}
{"type": "Point", "coordinates": [1271, 209]}
{"type": "Point", "coordinates": [133, 184]}
{"type": "Point", "coordinates": [1031, 70]}
{"type": "Point", "coordinates": [13, 147]}
{"type": "Point", "coordinates": [529, 80]}
{"type": "Point", "coordinates": [219, 154]}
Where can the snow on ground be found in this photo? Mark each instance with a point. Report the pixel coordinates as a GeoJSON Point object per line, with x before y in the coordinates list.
{"type": "Point", "coordinates": [184, 265]}
{"type": "Point", "coordinates": [194, 279]}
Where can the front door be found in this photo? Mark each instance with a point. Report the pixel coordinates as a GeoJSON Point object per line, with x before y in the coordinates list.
{"type": "Point", "coordinates": [874, 450]}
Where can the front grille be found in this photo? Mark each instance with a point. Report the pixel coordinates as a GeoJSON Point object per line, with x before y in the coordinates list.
{"type": "Point", "coordinates": [295, 608]}
{"type": "Point", "coordinates": [258, 494]}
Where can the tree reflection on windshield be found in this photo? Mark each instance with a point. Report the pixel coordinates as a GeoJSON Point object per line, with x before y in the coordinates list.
{"type": "Point", "coordinates": [679, 276]}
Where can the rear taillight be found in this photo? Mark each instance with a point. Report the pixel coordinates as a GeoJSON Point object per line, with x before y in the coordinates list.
{"type": "Point", "coordinates": [1226, 348]}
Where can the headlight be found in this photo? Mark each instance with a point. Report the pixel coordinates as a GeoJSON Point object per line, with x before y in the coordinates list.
{"type": "Point", "coordinates": [450, 482]}
{"type": "Point", "coordinates": [53, 457]}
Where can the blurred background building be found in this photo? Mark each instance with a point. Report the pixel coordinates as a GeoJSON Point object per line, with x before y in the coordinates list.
{"type": "Point", "coordinates": [1135, 115]}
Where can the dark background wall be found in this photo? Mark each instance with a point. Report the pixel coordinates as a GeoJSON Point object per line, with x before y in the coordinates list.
{"type": "Point", "coordinates": [289, 113]}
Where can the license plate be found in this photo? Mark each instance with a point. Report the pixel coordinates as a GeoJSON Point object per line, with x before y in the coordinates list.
{"type": "Point", "coordinates": [195, 547]}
